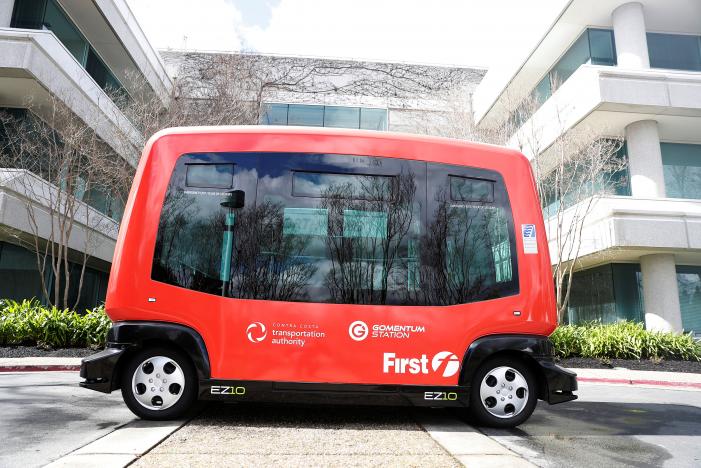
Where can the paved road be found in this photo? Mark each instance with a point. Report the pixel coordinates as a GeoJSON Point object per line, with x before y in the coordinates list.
{"type": "Point", "coordinates": [45, 415]}
{"type": "Point", "coordinates": [611, 426]}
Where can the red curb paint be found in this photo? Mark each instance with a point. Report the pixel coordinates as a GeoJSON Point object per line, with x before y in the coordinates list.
{"type": "Point", "coordinates": [46, 368]}
{"type": "Point", "coordinates": [661, 383]}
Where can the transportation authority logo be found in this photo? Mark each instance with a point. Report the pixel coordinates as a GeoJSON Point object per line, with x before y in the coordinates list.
{"type": "Point", "coordinates": [256, 332]}
{"type": "Point", "coordinates": [358, 330]}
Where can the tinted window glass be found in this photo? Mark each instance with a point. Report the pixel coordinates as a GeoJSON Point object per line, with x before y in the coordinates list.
{"type": "Point", "coordinates": [339, 229]}
{"type": "Point", "coordinates": [674, 51]}
{"type": "Point", "coordinates": [209, 175]}
{"type": "Point", "coordinates": [312, 116]}
{"type": "Point", "coordinates": [326, 116]}
{"type": "Point", "coordinates": [466, 189]}
{"type": "Point", "coordinates": [577, 55]}
{"type": "Point", "coordinates": [373, 119]}
{"type": "Point", "coordinates": [56, 21]}
{"type": "Point", "coordinates": [351, 186]}
{"type": "Point", "coordinates": [198, 235]}
{"type": "Point", "coordinates": [689, 284]}
{"type": "Point", "coordinates": [28, 14]}
{"type": "Point", "coordinates": [274, 114]}
{"type": "Point", "coordinates": [468, 251]}
{"type": "Point", "coordinates": [601, 47]}
{"type": "Point", "coordinates": [682, 170]}
{"type": "Point", "coordinates": [345, 235]}
{"type": "Point", "coordinates": [342, 117]}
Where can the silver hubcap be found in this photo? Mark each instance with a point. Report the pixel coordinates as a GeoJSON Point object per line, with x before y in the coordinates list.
{"type": "Point", "coordinates": [504, 392]}
{"type": "Point", "coordinates": [158, 383]}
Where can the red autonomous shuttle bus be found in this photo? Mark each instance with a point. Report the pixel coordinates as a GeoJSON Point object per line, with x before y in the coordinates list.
{"type": "Point", "coordinates": [255, 262]}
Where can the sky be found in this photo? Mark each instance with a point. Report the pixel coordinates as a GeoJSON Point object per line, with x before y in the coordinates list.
{"type": "Point", "coordinates": [483, 33]}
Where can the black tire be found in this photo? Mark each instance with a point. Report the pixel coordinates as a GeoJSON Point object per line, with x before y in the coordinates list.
{"type": "Point", "coordinates": [187, 392]}
{"type": "Point", "coordinates": [478, 408]}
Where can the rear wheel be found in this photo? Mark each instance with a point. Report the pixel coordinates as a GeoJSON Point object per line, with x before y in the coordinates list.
{"type": "Point", "coordinates": [503, 393]}
{"type": "Point", "coordinates": [159, 384]}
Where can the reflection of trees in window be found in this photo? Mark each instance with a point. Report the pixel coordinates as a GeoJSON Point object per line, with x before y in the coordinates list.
{"type": "Point", "coordinates": [268, 264]}
{"type": "Point", "coordinates": [368, 225]}
{"type": "Point", "coordinates": [192, 230]}
{"type": "Point", "coordinates": [683, 181]}
{"type": "Point", "coordinates": [465, 253]}
{"type": "Point", "coordinates": [188, 244]}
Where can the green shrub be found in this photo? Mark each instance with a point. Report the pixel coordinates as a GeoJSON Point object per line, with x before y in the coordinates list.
{"type": "Point", "coordinates": [622, 340]}
{"type": "Point", "coordinates": [29, 323]}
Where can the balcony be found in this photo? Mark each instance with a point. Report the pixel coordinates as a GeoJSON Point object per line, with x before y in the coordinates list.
{"type": "Point", "coordinates": [606, 99]}
{"type": "Point", "coordinates": [624, 228]}
{"type": "Point", "coordinates": [35, 65]}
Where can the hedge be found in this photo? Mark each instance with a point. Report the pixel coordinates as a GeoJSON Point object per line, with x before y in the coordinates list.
{"type": "Point", "coordinates": [30, 323]}
{"type": "Point", "coordinates": [623, 340]}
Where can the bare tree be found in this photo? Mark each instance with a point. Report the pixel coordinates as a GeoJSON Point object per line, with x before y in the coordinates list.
{"type": "Point", "coordinates": [572, 171]}
{"type": "Point", "coordinates": [231, 89]}
{"type": "Point", "coordinates": [60, 167]}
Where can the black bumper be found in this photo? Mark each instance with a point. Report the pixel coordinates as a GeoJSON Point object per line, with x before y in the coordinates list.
{"type": "Point", "coordinates": [98, 370]}
{"type": "Point", "coordinates": [559, 382]}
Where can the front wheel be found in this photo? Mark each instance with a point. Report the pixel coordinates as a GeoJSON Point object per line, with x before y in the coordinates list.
{"type": "Point", "coordinates": [159, 384]}
{"type": "Point", "coordinates": [503, 393]}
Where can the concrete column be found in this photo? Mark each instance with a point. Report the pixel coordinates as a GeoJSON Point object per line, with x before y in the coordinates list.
{"type": "Point", "coordinates": [6, 12]}
{"type": "Point", "coordinates": [660, 293]}
{"type": "Point", "coordinates": [645, 159]}
{"type": "Point", "coordinates": [629, 33]}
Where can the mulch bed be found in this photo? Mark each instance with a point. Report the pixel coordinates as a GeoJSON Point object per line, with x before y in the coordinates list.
{"type": "Point", "coordinates": [633, 364]}
{"type": "Point", "coordinates": [33, 351]}
{"type": "Point", "coordinates": [581, 363]}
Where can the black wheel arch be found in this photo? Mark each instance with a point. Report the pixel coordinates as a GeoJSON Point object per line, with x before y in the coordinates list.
{"type": "Point", "coordinates": [535, 351]}
{"type": "Point", "coordinates": [102, 370]}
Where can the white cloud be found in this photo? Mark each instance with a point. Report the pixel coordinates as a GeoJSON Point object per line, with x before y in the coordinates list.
{"type": "Point", "coordinates": [188, 24]}
{"type": "Point", "coordinates": [464, 32]}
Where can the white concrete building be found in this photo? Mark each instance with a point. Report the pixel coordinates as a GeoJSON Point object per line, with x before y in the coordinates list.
{"type": "Point", "coordinates": [73, 51]}
{"type": "Point", "coordinates": [387, 96]}
{"type": "Point", "coordinates": [630, 70]}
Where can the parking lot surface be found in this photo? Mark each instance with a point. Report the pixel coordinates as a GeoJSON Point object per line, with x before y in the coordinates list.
{"type": "Point", "coordinates": [612, 425]}
{"type": "Point", "coordinates": [44, 415]}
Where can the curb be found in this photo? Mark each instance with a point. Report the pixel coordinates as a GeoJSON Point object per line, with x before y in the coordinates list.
{"type": "Point", "coordinates": [468, 445]}
{"type": "Point", "coordinates": [40, 368]}
{"type": "Point", "coordinates": [120, 447]}
{"type": "Point", "coordinates": [656, 383]}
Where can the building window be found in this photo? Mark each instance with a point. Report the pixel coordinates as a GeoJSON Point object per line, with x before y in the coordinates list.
{"type": "Point", "coordinates": [580, 184]}
{"type": "Point", "coordinates": [689, 284]}
{"type": "Point", "coordinates": [674, 51]}
{"type": "Point", "coordinates": [682, 170]}
{"type": "Point", "coordinates": [607, 294]}
{"type": "Point", "coordinates": [20, 279]}
{"type": "Point", "coordinates": [47, 14]}
{"type": "Point", "coordinates": [594, 46]}
{"type": "Point", "coordinates": [324, 116]}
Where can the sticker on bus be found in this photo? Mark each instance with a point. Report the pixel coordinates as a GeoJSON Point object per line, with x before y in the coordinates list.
{"type": "Point", "coordinates": [530, 243]}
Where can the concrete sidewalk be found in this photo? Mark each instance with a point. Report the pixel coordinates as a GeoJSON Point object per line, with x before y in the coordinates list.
{"type": "Point", "coordinates": [674, 380]}
{"type": "Point", "coordinates": [39, 364]}
{"type": "Point", "coordinates": [349, 436]}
